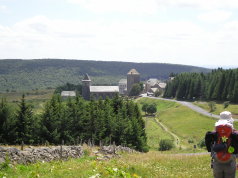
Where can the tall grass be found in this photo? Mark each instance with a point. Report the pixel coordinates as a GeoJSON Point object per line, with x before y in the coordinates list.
{"type": "Point", "coordinates": [154, 133]}
{"type": "Point", "coordinates": [152, 164]}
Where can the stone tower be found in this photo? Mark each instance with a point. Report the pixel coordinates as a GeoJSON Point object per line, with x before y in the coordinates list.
{"type": "Point", "coordinates": [132, 77]}
{"type": "Point", "coordinates": [86, 83]}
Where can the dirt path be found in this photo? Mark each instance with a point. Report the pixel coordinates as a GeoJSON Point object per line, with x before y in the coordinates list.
{"type": "Point", "coordinates": [177, 141]}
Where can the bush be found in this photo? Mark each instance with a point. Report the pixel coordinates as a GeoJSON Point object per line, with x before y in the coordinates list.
{"type": "Point", "coordinates": [165, 144]}
{"type": "Point", "coordinates": [212, 106]}
{"type": "Point", "coordinates": [202, 144]}
{"type": "Point", "coordinates": [190, 140]}
{"type": "Point", "coordinates": [226, 104]}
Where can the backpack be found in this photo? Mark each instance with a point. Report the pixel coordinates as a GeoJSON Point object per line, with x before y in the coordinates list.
{"type": "Point", "coordinates": [223, 142]}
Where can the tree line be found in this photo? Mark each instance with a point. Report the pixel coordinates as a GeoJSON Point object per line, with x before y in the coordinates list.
{"type": "Point", "coordinates": [220, 85]}
{"type": "Point", "coordinates": [112, 120]}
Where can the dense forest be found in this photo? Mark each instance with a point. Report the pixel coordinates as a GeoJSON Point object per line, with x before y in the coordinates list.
{"type": "Point", "coordinates": [220, 85]}
{"type": "Point", "coordinates": [112, 120]}
{"type": "Point", "coordinates": [18, 75]}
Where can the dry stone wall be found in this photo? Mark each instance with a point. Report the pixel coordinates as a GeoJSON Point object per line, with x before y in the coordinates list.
{"type": "Point", "coordinates": [32, 155]}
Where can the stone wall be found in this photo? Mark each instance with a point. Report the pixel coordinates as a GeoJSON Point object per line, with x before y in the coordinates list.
{"type": "Point", "coordinates": [32, 155]}
{"type": "Point", "coordinates": [109, 152]}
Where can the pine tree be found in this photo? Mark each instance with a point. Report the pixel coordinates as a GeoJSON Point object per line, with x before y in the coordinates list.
{"type": "Point", "coordinates": [51, 120]}
{"type": "Point", "coordinates": [7, 123]}
{"type": "Point", "coordinates": [24, 122]}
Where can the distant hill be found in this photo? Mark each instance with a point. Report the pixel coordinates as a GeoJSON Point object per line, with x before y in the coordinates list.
{"type": "Point", "coordinates": [17, 75]}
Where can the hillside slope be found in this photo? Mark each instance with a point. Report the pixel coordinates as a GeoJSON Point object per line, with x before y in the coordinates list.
{"type": "Point", "coordinates": [16, 74]}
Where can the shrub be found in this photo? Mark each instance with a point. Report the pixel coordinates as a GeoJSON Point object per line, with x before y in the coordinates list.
{"type": "Point", "coordinates": [226, 104]}
{"type": "Point", "coordinates": [165, 144]}
{"type": "Point", "coordinates": [212, 106]}
{"type": "Point", "coordinates": [190, 140]}
{"type": "Point", "coordinates": [202, 144]}
{"type": "Point", "coordinates": [151, 109]}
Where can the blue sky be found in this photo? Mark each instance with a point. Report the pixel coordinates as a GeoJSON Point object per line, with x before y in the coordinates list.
{"type": "Point", "coordinates": [198, 32]}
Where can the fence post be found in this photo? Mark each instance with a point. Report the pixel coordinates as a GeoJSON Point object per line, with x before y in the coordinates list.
{"type": "Point", "coordinates": [89, 143]}
{"type": "Point", "coordinates": [114, 147]}
{"type": "Point", "coordinates": [22, 145]}
{"type": "Point", "coordinates": [100, 144]}
{"type": "Point", "coordinates": [92, 142]}
{"type": "Point", "coordinates": [61, 150]}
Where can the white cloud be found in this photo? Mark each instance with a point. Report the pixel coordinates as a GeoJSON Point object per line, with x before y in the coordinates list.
{"type": "Point", "coordinates": [3, 8]}
{"type": "Point", "coordinates": [173, 42]}
{"type": "Point", "coordinates": [215, 16]}
{"type": "Point", "coordinates": [204, 4]}
{"type": "Point", "coordinates": [151, 6]}
{"type": "Point", "coordinates": [122, 6]}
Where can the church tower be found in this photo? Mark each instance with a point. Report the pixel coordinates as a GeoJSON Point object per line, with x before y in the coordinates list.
{"type": "Point", "coordinates": [132, 77]}
{"type": "Point", "coordinates": [86, 83]}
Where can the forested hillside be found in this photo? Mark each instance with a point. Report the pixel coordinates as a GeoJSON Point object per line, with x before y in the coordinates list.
{"type": "Point", "coordinates": [220, 85]}
{"type": "Point", "coordinates": [18, 75]}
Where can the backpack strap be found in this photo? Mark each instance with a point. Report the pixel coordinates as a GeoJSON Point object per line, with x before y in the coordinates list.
{"type": "Point", "coordinates": [210, 139]}
{"type": "Point", "coordinates": [234, 141]}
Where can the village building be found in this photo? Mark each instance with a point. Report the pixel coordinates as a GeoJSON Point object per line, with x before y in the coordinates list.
{"type": "Point", "coordinates": [97, 92]}
{"type": "Point", "coordinates": [66, 94]}
{"type": "Point", "coordinates": [133, 77]}
{"type": "Point", "coordinates": [152, 85]}
{"type": "Point", "coordinates": [123, 88]}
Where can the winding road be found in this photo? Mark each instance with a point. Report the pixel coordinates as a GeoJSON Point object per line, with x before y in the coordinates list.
{"type": "Point", "coordinates": [193, 107]}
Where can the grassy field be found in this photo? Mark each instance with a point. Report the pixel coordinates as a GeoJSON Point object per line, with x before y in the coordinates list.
{"type": "Point", "coordinates": [188, 125]}
{"type": "Point", "coordinates": [154, 133]}
{"type": "Point", "coordinates": [233, 108]}
{"type": "Point", "coordinates": [36, 98]}
{"type": "Point", "coordinates": [148, 165]}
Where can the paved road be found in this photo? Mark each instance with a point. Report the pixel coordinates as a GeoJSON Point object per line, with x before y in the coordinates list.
{"type": "Point", "coordinates": [193, 107]}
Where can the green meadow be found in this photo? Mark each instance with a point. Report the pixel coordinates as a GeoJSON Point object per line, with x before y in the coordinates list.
{"type": "Point", "coordinates": [148, 165]}
{"type": "Point", "coordinates": [188, 125]}
{"type": "Point", "coordinates": [155, 133]}
{"type": "Point", "coordinates": [36, 98]}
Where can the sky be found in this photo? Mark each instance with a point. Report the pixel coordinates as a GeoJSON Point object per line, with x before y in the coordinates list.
{"type": "Point", "coordinates": [190, 32]}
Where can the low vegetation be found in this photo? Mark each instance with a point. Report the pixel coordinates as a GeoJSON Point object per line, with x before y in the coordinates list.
{"type": "Point", "coordinates": [154, 133]}
{"type": "Point", "coordinates": [152, 164]}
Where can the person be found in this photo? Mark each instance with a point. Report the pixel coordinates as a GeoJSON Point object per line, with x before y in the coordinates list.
{"type": "Point", "coordinates": [223, 145]}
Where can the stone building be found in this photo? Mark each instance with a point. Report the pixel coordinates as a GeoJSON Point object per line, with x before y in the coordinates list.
{"type": "Point", "coordinates": [66, 94]}
{"type": "Point", "coordinates": [152, 85]}
{"type": "Point", "coordinates": [133, 77]}
{"type": "Point", "coordinates": [123, 86]}
{"type": "Point", "coordinates": [86, 83]}
{"type": "Point", "coordinates": [96, 92]}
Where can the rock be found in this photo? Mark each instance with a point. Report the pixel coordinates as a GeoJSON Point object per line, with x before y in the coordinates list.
{"type": "Point", "coordinates": [2, 160]}
{"type": "Point", "coordinates": [13, 150]}
{"type": "Point", "coordinates": [2, 149]}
